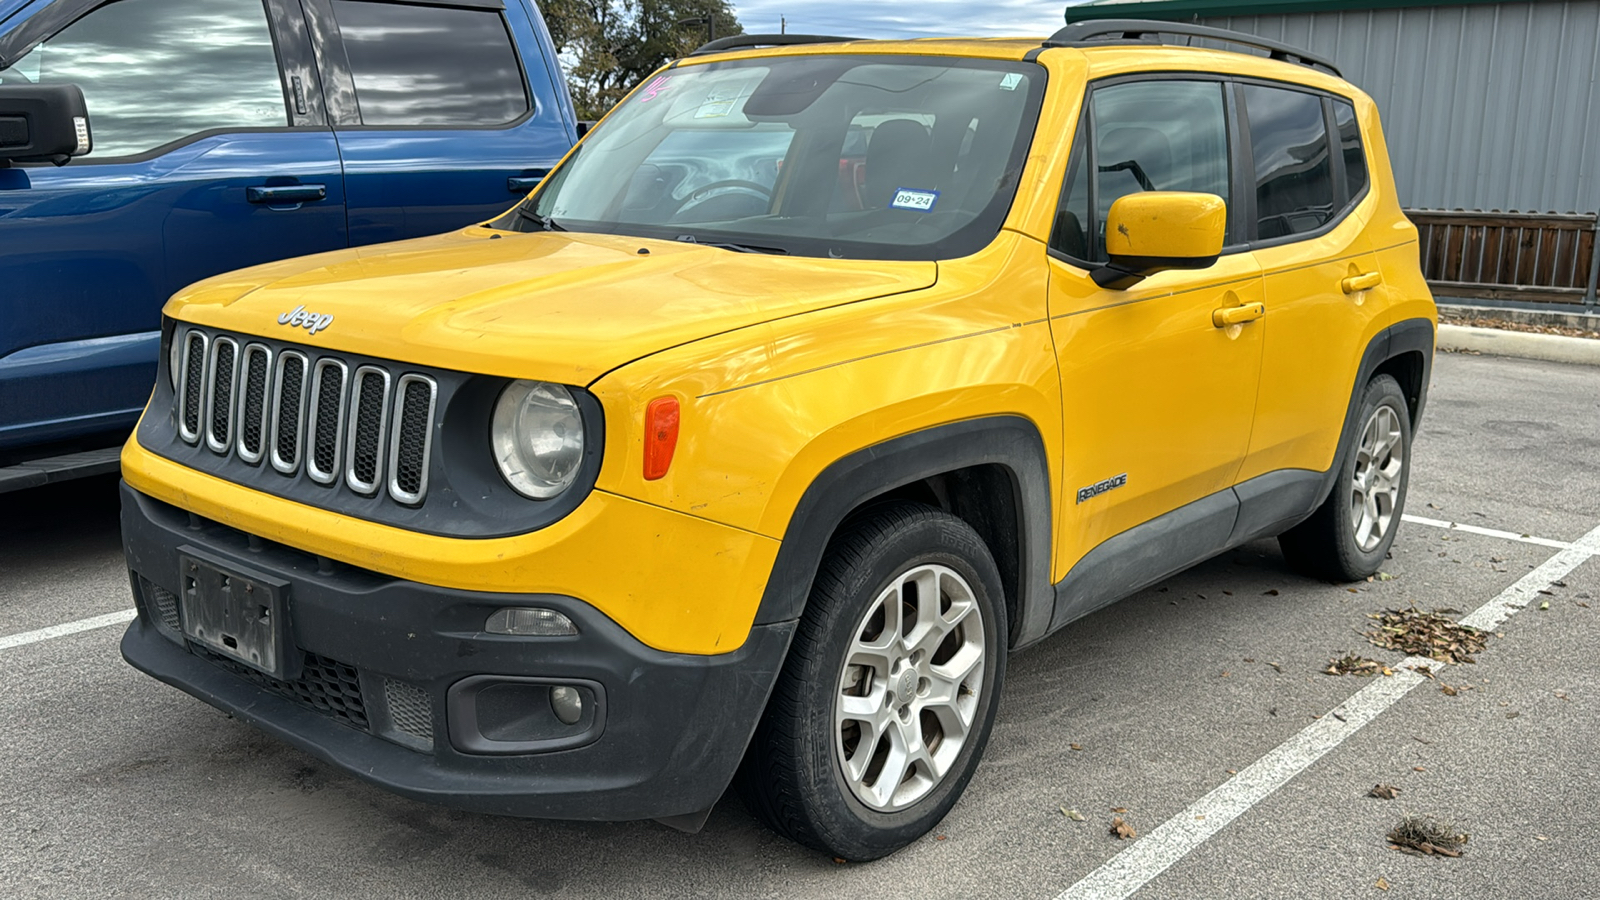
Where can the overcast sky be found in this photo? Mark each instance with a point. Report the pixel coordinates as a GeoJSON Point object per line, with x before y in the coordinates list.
{"type": "Point", "coordinates": [903, 18]}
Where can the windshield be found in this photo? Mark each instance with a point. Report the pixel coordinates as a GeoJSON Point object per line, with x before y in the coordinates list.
{"type": "Point", "coordinates": [862, 157]}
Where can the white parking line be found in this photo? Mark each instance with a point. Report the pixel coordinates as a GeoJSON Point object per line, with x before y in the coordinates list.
{"type": "Point", "coordinates": [55, 631]}
{"type": "Point", "coordinates": [1131, 869]}
{"type": "Point", "coordinates": [1487, 532]}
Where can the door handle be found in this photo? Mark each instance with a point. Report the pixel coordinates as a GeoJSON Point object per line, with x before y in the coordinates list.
{"type": "Point", "coordinates": [521, 184]}
{"type": "Point", "coordinates": [286, 193]}
{"type": "Point", "coordinates": [1237, 315]}
{"type": "Point", "coordinates": [1366, 281]}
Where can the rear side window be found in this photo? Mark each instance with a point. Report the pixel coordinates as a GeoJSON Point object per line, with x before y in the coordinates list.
{"type": "Point", "coordinates": [1155, 136]}
{"type": "Point", "coordinates": [1355, 156]}
{"type": "Point", "coordinates": [155, 71]}
{"type": "Point", "coordinates": [431, 65]}
{"type": "Point", "coordinates": [1294, 171]}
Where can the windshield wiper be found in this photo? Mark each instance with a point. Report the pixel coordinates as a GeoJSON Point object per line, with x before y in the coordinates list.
{"type": "Point", "coordinates": [737, 248]}
{"type": "Point", "coordinates": [545, 223]}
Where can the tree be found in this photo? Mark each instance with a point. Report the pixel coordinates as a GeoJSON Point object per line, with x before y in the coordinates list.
{"type": "Point", "coordinates": [609, 46]}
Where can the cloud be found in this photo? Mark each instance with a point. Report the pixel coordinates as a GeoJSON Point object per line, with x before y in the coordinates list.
{"type": "Point", "coordinates": [901, 19]}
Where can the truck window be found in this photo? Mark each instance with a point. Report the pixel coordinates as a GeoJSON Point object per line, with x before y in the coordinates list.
{"type": "Point", "coordinates": [431, 65]}
{"type": "Point", "coordinates": [157, 71]}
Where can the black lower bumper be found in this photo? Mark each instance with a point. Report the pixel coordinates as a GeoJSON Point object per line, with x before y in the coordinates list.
{"type": "Point", "coordinates": [668, 734]}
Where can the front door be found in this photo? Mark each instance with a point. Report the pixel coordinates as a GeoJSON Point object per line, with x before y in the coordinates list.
{"type": "Point", "coordinates": [201, 163]}
{"type": "Point", "coordinates": [1158, 399]}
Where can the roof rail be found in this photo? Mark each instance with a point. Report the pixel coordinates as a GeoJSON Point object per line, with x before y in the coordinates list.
{"type": "Point", "coordinates": [743, 41]}
{"type": "Point", "coordinates": [1102, 31]}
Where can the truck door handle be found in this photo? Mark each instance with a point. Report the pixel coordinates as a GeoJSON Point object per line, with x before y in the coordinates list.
{"type": "Point", "coordinates": [1237, 315]}
{"type": "Point", "coordinates": [1366, 281]}
{"type": "Point", "coordinates": [286, 193]}
{"type": "Point", "coordinates": [521, 184]}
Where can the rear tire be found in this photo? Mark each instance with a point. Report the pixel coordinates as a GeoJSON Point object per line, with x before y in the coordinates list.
{"type": "Point", "coordinates": [1350, 534]}
{"type": "Point", "coordinates": [889, 691]}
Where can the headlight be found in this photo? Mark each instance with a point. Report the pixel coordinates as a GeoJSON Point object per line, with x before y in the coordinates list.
{"type": "Point", "coordinates": [537, 437]}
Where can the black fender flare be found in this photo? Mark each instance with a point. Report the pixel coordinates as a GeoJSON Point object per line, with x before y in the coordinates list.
{"type": "Point", "coordinates": [1011, 443]}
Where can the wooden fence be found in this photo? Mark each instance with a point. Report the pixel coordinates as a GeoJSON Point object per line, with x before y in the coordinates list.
{"type": "Point", "coordinates": [1544, 258]}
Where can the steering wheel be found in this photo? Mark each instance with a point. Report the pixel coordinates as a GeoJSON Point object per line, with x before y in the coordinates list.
{"type": "Point", "coordinates": [705, 192]}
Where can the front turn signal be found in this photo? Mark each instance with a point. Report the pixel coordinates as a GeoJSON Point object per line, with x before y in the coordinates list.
{"type": "Point", "coordinates": [660, 436]}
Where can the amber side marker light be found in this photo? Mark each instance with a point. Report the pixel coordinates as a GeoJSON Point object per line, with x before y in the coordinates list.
{"type": "Point", "coordinates": [660, 436]}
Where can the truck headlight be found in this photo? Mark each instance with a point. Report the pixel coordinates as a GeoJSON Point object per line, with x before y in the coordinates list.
{"type": "Point", "coordinates": [537, 438]}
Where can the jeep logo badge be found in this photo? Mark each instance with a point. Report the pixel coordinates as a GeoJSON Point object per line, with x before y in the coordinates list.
{"type": "Point", "coordinates": [312, 322]}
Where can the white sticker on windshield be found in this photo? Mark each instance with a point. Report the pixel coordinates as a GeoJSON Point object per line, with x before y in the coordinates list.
{"type": "Point", "coordinates": [1010, 81]}
{"type": "Point", "coordinates": [714, 109]}
{"type": "Point", "coordinates": [918, 201]}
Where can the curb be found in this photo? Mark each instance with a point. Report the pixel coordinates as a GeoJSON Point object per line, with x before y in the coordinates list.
{"type": "Point", "coordinates": [1522, 345]}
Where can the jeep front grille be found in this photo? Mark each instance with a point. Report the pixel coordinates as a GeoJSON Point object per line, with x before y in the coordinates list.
{"type": "Point", "coordinates": [307, 413]}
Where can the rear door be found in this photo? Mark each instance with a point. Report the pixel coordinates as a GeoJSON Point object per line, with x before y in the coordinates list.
{"type": "Point", "coordinates": [1308, 218]}
{"type": "Point", "coordinates": [446, 112]}
{"type": "Point", "coordinates": [210, 153]}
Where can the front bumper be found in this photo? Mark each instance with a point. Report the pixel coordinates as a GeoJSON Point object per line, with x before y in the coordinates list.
{"type": "Point", "coordinates": [669, 732]}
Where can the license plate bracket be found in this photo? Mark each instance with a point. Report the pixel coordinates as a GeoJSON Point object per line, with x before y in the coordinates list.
{"type": "Point", "coordinates": [237, 613]}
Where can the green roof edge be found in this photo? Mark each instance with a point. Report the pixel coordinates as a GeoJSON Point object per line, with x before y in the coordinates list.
{"type": "Point", "coordinates": [1183, 10]}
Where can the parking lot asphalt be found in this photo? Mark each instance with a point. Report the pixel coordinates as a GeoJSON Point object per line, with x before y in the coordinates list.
{"type": "Point", "coordinates": [1198, 702]}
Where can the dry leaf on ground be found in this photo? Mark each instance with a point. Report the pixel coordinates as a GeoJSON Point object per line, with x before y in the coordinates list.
{"type": "Point", "coordinates": [1418, 633]}
{"type": "Point", "coordinates": [1121, 830]}
{"type": "Point", "coordinates": [1351, 664]}
{"type": "Point", "coordinates": [1427, 836]}
{"type": "Point", "coordinates": [1383, 791]}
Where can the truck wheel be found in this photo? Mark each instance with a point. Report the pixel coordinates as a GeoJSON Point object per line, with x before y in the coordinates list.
{"type": "Point", "coordinates": [889, 691]}
{"type": "Point", "coordinates": [1347, 538]}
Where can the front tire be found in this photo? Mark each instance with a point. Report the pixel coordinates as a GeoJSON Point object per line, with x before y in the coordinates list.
{"type": "Point", "coordinates": [889, 692]}
{"type": "Point", "coordinates": [1349, 536]}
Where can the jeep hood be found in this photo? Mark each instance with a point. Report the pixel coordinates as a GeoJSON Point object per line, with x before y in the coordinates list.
{"type": "Point", "coordinates": [562, 307]}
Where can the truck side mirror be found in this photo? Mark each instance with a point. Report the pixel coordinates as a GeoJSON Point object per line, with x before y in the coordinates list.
{"type": "Point", "coordinates": [43, 123]}
{"type": "Point", "coordinates": [1155, 231]}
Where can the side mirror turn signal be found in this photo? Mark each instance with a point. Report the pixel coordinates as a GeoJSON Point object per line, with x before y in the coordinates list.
{"type": "Point", "coordinates": [43, 123]}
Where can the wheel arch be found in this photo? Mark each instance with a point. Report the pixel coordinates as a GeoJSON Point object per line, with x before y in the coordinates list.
{"type": "Point", "coordinates": [1403, 351]}
{"type": "Point", "coordinates": [992, 472]}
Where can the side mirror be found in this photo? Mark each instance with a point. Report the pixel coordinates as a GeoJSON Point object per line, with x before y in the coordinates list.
{"type": "Point", "coordinates": [42, 123]}
{"type": "Point", "coordinates": [1155, 231]}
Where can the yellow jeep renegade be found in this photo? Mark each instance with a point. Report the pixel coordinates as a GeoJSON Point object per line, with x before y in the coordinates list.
{"type": "Point", "coordinates": [817, 379]}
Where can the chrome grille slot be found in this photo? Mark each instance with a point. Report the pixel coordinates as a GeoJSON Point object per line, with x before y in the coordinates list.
{"type": "Point", "coordinates": [222, 373]}
{"type": "Point", "coordinates": [412, 442]}
{"type": "Point", "coordinates": [325, 423]}
{"type": "Point", "coordinates": [191, 386]}
{"type": "Point", "coordinates": [369, 422]}
{"type": "Point", "coordinates": [319, 419]}
{"type": "Point", "coordinates": [288, 411]}
{"type": "Point", "coordinates": [255, 373]}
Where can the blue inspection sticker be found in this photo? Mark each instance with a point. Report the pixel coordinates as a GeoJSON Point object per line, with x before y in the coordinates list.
{"type": "Point", "coordinates": [916, 201]}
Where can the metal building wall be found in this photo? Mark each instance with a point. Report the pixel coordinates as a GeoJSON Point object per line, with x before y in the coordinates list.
{"type": "Point", "coordinates": [1490, 107]}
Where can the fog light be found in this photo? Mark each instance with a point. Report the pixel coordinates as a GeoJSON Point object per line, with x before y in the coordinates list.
{"type": "Point", "coordinates": [567, 704]}
{"type": "Point", "coordinates": [526, 621]}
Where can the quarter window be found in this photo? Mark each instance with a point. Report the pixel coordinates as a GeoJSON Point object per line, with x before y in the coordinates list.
{"type": "Point", "coordinates": [1155, 136]}
{"type": "Point", "coordinates": [156, 71]}
{"type": "Point", "coordinates": [1293, 168]}
{"type": "Point", "coordinates": [1355, 156]}
{"type": "Point", "coordinates": [431, 65]}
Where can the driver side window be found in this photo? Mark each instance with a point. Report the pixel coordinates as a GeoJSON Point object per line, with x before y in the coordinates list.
{"type": "Point", "coordinates": [1148, 136]}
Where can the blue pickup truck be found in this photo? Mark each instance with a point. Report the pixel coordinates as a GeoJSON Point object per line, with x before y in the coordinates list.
{"type": "Point", "coordinates": [146, 144]}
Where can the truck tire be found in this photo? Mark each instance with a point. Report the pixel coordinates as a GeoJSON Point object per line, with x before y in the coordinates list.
{"type": "Point", "coordinates": [889, 691]}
